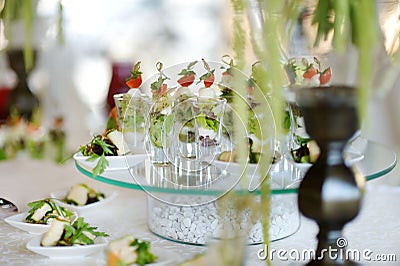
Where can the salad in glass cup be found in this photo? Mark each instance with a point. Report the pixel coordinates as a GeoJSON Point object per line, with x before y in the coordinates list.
{"type": "Point", "coordinates": [208, 119]}
{"type": "Point", "coordinates": [159, 127]}
{"type": "Point", "coordinates": [132, 108]}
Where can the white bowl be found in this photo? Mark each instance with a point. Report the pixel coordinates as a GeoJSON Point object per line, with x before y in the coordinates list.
{"type": "Point", "coordinates": [236, 168]}
{"type": "Point", "coordinates": [252, 170]}
{"type": "Point", "coordinates": [66, 252]}
{"type": "Point", "coordinates": [351, 156]}
{"type": "Point", "coordinates": [18, 221]}
{"type": "Point", "coordinates": [114, 162]}
{"type": "Point", "coordinates": [58, 196]}
{"type": "Point", "coordinates": [164, 257]}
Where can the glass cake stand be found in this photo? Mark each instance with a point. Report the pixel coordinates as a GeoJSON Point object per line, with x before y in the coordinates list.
{"type": "Point", "coordinates": [185, 206]}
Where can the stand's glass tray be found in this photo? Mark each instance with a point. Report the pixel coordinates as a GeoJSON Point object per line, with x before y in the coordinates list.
{"type": "Point", "coordinates": [377, 161]}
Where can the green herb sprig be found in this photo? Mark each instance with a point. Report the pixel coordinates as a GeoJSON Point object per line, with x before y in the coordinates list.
{"type": "Point", "coordinates": [143, 252]}
{"type": "Point", "coordinates": [80, 233]}
{"type": "Point", "coordinates": [56, 211]}
{"type": "Point", "coordinates": [98, 148]}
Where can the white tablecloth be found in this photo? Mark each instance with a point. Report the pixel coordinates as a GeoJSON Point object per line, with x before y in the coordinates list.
{"type": "Point", "coordinates": [376, 228]}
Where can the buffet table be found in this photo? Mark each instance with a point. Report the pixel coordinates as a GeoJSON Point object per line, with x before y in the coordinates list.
{"type": "Point", "coordinates": [23, 180]}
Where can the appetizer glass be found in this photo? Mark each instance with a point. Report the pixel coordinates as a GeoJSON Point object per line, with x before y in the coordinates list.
{"type": "Point", "coordinates": [132, 112]}
{"type": "Point", "coordinates": [208, 114]}
{"type": "Point", "coordinates": [158, 131]}
{"type": "Point", "coordinates": [36, 142]}
{"type": "Point", "coordinates": [185, 131]}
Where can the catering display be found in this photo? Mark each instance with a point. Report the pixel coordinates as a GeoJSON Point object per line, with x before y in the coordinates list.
{"type": "Point", "coordinates": [192, 156]}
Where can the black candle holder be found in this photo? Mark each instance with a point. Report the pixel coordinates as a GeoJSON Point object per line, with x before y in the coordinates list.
{"type": "Point", "coordinates": [330, 193]}
{"type": "Point", "coordinates": [21, 97]}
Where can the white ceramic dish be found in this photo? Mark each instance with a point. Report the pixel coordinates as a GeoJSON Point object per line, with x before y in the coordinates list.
{"type": "Point", "coordinates": [164, 257]}
{"type": "Point", "coordinates": [18, 221]}
{"type": "Point", "coordinates": [235, 168]}
{"type": "Point", "coordinates": [351, 156]}
{"type": "Point", "coordinates": [66, 252]}
{"type": "Point", "coordinates": [114, 162]}
{"type": "Point", "coordinates": [57, 196]}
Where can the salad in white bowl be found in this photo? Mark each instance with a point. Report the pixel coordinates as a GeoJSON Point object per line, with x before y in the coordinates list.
{"type": "Point", "coordinates": [81, 197]}
{"type": "Point", "coordinates": [40, 216]}
{"type": "Point", "coordinates": [108, 151]}
{"type": "Point", "coordinates": [67, 239]}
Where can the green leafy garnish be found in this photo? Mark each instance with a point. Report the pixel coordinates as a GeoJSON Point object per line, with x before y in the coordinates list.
{"type": "Point", "coordinates": [156, 85]}
{"type": "Point", "coordinates": [301, 154]}
{"type": "Point", "coordinates": [135, 72]}
{"type": "Point", "coordinates": [99, 147]}
{"type": "Point", "coordinates": [101, 165]}
{"type": "Point", "coordinates": [80, 233]}
{"type": "Point", "coordinates": [207, 122]}
{"type": "Point", "coordinates": [188, 70]}
{"type": "Point", "coordinates": [55, 211]}
{"type": "Point", "coordinates": [143, 252]}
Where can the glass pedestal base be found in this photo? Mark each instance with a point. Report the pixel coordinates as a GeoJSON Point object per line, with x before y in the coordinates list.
{"type": "Point", "coordinates": [203, 223]}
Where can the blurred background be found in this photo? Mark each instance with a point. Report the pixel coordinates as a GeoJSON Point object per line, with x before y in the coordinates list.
{"type": "Point", "coordinates": [103, 39]}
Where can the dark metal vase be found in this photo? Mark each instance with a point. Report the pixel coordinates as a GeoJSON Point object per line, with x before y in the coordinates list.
{"type": "Point", "coordinates": [21, 97]}
{"type": "Point", "coordinates": [329, 193]}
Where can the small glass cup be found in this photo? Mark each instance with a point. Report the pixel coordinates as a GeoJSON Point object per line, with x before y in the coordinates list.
{"type": "Point", "coordinates": [158, 132]}
{"type": "Point", "coordinates": [185, 133]}
{"type": "Point", "coordinates": [208, 115]}
{"type": "Point", "coordinates": [132, 113]}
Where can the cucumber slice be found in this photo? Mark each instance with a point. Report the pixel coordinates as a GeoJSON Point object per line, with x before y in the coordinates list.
{"type": "Point", "coordinates": [54, 234]}
{"type": "Point", "coordinates": [225, 156]}
{"type": "Point", "coordinates": [78, 194]}
{"type": "Point", "coordinates": [41, 212]}
{"type": "Point", "coordinates": [314, 150]}
{"type": "Point", "coordinates": [118, 139]}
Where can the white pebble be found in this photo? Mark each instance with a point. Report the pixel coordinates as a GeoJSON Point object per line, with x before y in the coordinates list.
{"type": "Point", "coordinates": [214, 224]}
{"type": "Point", "coordinates": [196, 224]}
{"type": "Point", "coordinates": [187, 222]}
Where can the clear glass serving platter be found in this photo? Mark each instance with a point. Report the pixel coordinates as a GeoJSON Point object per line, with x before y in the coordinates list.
{"type": "Point", "coordinates": [285, 176]}
{"type": "Point", "coordinates": [188, 206]}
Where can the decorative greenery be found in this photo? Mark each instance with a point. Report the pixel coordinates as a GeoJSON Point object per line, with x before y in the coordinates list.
{"type": "Point", "coordinates": [343, 19]}
{"type": "Point", "coordinates": [354, 21]}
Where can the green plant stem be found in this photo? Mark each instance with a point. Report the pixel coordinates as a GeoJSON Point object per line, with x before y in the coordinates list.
{"type": "Point", "coordinates": [364, 17]}
{"type": "Point", "coordinates": [341, 24]}
{"type": "Point", "coordinates": [240, 106]}
{"type": "Point", "coordinates": [272, 27]}
{"type": "Point", "coordinates": [28, 20]}
{"type": "Point", "coordinates": [60, 35]}
{"type": "Point", "coordinates": [265, 211]}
